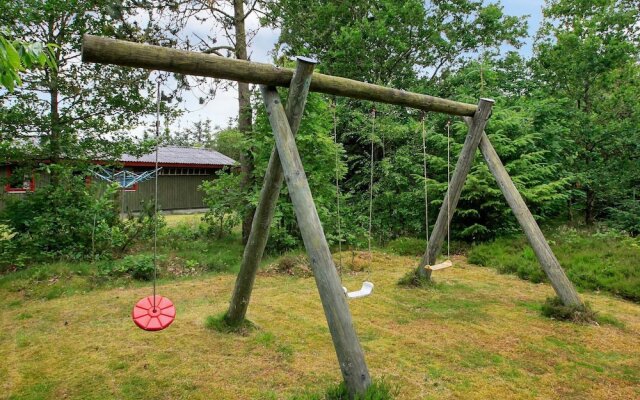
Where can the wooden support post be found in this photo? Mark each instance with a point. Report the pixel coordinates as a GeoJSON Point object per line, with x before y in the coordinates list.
{"type": "Point", "coordinates": [465, 160]}
{"type": "Point", "coordinates": [550, 264]}
{"type": "Point", "coordinates": [348, 349]}
{"type": "Point", "coordinates": [269, 194]}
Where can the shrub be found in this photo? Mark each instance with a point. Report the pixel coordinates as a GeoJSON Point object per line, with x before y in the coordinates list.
{"type": "Point", "coordinates": [412, 280]}
{"type": "Point", "coordinates": [407, 246]}
{"type": "Point", "coordinates": [379, 390]}
{"type": "Point", "coordinates": [221, 324]}
{"type": "Point", "coordinates": [135, 228]}
{"type": "Point", "coordinates": [139, 267]}
{"type": "Point", "coordinates": [65, 219]}
{"type": "Point", "coordinates": [11, 246]}
{"type": "Point", "coordinates": [626, 217]}
{"type": "Point", "coordinates": [478, 256]}
{"type": "Point", "coordinates": [293, 265]}
{"type": "Point", "coordinates": [553, 308]}
{"type": "Point", "coordinates": [225, 200]}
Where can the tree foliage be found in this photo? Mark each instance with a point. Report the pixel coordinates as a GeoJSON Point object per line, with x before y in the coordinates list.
{"type": "Point", "coordinates": [17, 56]}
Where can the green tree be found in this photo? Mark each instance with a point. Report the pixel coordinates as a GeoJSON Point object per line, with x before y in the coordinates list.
{"type": "Point", "coordinates": [318, 153]}
{"type": "Point", "coordinates": [223, 196]}
{"type": "Point", "coordinates": [17, 56]}
{"type": "Point", "coordinates": [77, 110]}
{"type": "Point", "coordinates": [586, 63]}
{"type": "Point", "coordinates": [410, 45]}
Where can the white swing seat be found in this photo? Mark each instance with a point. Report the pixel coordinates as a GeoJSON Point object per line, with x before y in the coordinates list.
{"type": "Point", "coordinates": [442, 265]}
{"type": "Point", "coordinates": [365, 290]}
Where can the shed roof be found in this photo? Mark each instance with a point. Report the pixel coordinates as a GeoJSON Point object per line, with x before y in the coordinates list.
{"type": "Point", "coordinates": [181, 155]}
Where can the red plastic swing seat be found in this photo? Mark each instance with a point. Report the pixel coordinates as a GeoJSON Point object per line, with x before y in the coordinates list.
{"type": "Point", "coordinates": [153, 319]}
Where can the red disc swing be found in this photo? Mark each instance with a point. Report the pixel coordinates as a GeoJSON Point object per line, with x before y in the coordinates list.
{"type": "Point", "coordinates": [154, 313]}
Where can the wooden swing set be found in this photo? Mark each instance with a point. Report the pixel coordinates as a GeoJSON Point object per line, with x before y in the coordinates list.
{"type": "Point", "coordinates": [285, 164]}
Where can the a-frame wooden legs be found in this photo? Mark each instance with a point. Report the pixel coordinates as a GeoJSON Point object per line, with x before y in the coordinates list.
{"type": "Point", "coordinates": [478, 138]}
{"type": "Point", "coordinates": [285, 125]}
{"type": "Point", "coordinates": [350, 355]}
{"type": "Point", "coordinates": [269, 194]}
{"type": "Point", "coordinates": [561, 284]}
{"type": "Point", "coordinates": [465, 160]}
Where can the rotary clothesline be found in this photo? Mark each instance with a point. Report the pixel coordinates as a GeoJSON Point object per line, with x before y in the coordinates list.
{"type": "Point", "coordinates": [125, 179]}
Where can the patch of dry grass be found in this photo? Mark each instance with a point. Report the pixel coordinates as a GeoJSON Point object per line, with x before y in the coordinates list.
{"type": "Point", "coordinates": [475, 334]}
{"type": "Point", "coordinates": [183, 219]}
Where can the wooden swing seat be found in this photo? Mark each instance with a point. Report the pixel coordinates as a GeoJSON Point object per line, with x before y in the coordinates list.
{"type": "Point", "coordinates": [442, 265]}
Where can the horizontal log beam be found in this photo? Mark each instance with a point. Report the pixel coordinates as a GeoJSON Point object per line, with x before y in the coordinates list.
{"type": "Point", "coordinates": [119, 52]}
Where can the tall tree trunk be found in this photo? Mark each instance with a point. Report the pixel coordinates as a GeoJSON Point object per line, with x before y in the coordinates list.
{"type": "Point", "coordinates": [244, 116]}
{"type": "Point", "coordinates": [55, 129]}
{"type": "Point", "coordinates": [589, 211]}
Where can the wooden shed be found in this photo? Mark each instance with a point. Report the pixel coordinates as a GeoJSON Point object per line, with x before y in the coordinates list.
{"type": "Point", "coordinates": [182, 171]}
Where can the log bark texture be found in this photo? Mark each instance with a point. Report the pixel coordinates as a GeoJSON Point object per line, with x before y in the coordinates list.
{"type": "Point", "coordinates": [269, 194]}
{"type": "Point", "coordinates": [550, 264]}
{"type": "Point", "coordinates": [350, 355]}
{"type": "Point", "coordinates": [465, 160]}
{"type": "Point", "coordinates": [120, 52]}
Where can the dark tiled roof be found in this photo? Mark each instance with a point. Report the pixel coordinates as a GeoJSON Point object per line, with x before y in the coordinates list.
{"type": "Point", "coordinates": [182, 155]}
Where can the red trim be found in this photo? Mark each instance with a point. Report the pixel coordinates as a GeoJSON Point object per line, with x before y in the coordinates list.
{"type": "Point", "coordinates": [152, 164]}
{"type": "Point", "coordinates": [9, 189]}
{"type": "Point", "coordinates": [133, 188]}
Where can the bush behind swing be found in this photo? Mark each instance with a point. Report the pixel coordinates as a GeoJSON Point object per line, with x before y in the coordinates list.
{"type": "Point", "coordinates": [68, 220]}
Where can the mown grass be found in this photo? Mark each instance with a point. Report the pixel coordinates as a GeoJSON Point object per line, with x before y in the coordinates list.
{"type": "Point", "coordinates": [593, 261]}
{"type": "Point", "coordinates": [184, 252]}
{"type": "Point", "coordinates": [476, 334]}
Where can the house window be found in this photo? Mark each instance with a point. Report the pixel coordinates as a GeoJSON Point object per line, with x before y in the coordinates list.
{"type": "Point", "coordinates": [184, 171]}
{"type": "Point", "coordinates": [17, 184]}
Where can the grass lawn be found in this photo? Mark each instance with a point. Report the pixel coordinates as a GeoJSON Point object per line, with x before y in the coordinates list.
{"type": "Point", "coordinates": [593, 261]}
{"type": "Point", "coordinates": [183, 219]}
{"type": "Point", "coordinates": [476, 334]}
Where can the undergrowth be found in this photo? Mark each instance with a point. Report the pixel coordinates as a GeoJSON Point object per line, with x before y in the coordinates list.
{"type": "Point", "coordinates": [379, 390]}
{"type": "Point", "coordinates": [583, 314]}
{"type": "Point", "coordinates": [220, 323]}
{"type": "Point", "coordinates": [413, 280]}
{"type": "Point", "coordinates": [601, 261]}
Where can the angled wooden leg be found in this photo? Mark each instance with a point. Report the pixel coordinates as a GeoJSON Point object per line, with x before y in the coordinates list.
{"type": "Point", "coordinates": [350, 355]}
{"type": "Point", "coordinates": [465, 160]}
{"type": "Point", "coordinates": [269, 194]}
{"type": "Point", "coordinates": [550, 264]}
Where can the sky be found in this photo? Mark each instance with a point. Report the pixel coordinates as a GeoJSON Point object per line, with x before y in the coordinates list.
{"type": "Point", "coordinates": [224, 107]}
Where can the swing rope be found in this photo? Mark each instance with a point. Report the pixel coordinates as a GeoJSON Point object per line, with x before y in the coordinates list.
{"type": "Point", "coordinates": [367, 287]}
{"type": "Point", "coordinates": [448, 187]}
{"type": "Point", "coordinates": [335, 143]}
{"type": "Point", "coordinates": [155, 313]}
{"type": "Point", "coordinates": [448, 262]}
{"type": "Point", "coordinates": [426, 189]}
{"type": "Point", "coordinates": [155, 197]}
{"type": "Point", "coordinates": [373, 132]}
